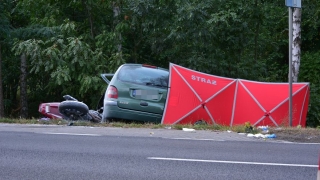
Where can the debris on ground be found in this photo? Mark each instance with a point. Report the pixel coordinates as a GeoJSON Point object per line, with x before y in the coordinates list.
{"type": "Point", "coordinates": [44, 119]}
{"type": "Point", "coordinates": [264, 129]}
{"type": "Point", "coordinates": [188, 129]}
{"type": "Point", "coordinates": [259, 135]}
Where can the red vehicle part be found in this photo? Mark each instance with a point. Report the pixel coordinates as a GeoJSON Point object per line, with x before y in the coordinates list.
{"type": "Point", "coordinates": [50, 110]}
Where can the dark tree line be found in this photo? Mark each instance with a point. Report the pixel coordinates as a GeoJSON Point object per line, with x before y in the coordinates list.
{"type": "Point", "coordinates": [49, 48]}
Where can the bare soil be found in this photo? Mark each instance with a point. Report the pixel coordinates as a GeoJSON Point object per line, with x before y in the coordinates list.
{"type": "Point", "coordinates": [303, 135]}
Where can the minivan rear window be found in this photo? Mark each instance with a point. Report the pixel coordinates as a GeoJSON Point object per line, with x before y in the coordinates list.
{"type": "Point", "coordinates": [144, 75]}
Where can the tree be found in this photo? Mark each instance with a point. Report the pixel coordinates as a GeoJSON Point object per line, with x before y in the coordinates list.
{"type": "Point", "coordinates": [4, 31]}
{"type": "Point", "coordinates": [69, 43]}
{"type": "Point", "coordinates": [1, 90]}
{"type": "Point", "coordinates": [296, 49]}
{"type": "Point", "coordinates": [60, 47]}
{"type": "Point", "coordinates": [23, 87]}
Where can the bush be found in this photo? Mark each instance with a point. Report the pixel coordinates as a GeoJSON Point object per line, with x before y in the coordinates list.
{"type": "Point", "coordinates": [310, 72]}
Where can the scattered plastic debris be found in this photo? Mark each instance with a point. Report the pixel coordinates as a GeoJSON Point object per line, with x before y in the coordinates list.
{"type": "Point", "coordinates": [168, 127]}
{"type": "Point", "coordinates": [260, 136]}
{"type": "Point", "coordinates": [265, 129]}
{"type": "Point", "coordinates": [228, 131]}
{"type": "Point", "coordinates": [264, 136]}
{"type": "Point", "coordinates": [151, 132]}
{"type": "Point", "coordinates": [188, 129]}
{"type": "Point", "coordinates": [45, 119]}
{"type": "Point", "coordinates": [271, 136]}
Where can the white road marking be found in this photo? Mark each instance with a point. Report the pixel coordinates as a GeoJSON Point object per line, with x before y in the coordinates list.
{"type": "Point", "coordinates": [300, 143]}
{"type": "Point", "coordinates": [232, 162]}
{"type": "Point", "coordinates": [196, 139]}
{"type": "Point", "coordinates": [271, 141]}
{"type": "Point", "coordinates": [72, 134]}
{"type": "Point", "coordinates": [290, 142]}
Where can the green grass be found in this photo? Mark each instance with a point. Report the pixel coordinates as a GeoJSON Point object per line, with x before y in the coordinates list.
{"type": "Point", "coordinates": [26, 121]}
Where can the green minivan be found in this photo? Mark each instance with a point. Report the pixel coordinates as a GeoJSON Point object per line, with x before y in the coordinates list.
{"type": "Point", "coordinates": [136, 92]}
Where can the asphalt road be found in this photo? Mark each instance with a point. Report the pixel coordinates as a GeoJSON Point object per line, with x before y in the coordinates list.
{"type": "Point", "coordinates": [61, 152]}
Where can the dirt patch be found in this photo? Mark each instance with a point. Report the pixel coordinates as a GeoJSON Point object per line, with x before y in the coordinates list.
{"type": "Point", "coordinates": [306, 135]}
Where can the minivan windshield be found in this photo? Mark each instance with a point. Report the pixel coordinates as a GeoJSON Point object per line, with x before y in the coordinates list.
{"type": "Point", "coordinates": [144, 75]}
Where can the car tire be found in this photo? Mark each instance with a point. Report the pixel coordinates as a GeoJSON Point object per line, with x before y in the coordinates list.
{"type": "Point", "coordinates": [73, 110]}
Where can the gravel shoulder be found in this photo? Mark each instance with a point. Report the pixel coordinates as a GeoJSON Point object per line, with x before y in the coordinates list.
{"type": "Point", "coordinates": [303, 135]}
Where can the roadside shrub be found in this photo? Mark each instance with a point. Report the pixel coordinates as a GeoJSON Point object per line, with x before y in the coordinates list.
{"type": "Point", "coordinates": [310, 72]}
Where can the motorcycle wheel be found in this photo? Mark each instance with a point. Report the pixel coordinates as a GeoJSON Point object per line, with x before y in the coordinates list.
{"type": "Point", "coordinates": [73, 110]}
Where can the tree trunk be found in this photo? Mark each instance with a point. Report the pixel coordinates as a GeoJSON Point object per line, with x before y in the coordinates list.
{"type": "Point", "coordinates": [86, 6]}
{"type": "Point", "coordinates": [1, 90]}
{"type": "Point", "coordinates": [296, 43]}
{"type": "Point", "coordinates": [23, 87]}
{"type": "Point", "coordinates": [256, 37]}
{"type": "Point", "coordinates": [116, 15]}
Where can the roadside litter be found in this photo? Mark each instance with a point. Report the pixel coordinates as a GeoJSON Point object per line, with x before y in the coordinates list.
{"type": "Point", "coordinates": [262, 135]}
{"type": "Point", "coordinates": [44, 119]}
{"type": "Point", "coordinates": [265, 129]}
{"type": "Point", "coordinates": [271, 136]}
{"type": "Point", "coordinates": [250, 131]}
{"type": "Point", "coordinates": [188, 129]}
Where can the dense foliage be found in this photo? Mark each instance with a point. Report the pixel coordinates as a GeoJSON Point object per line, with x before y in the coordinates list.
{"type": "Point", "coordinates": [70, 43]}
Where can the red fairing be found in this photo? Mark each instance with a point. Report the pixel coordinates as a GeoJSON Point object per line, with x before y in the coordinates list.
{"type": "Point", "coordinates": [50, 110]}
